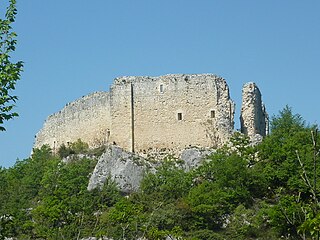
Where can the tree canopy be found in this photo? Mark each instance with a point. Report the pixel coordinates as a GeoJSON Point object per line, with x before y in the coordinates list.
{"type": "Point", "coordinates": [9, 70]}
{"type": "Point", "coordinates": [269, 192]}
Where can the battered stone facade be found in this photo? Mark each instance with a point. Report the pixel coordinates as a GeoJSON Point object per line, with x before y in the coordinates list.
{"type": "Point", "coordinates": [147, 114]}
{"type": "Point", "coordinates": [87, 118]}
{"type": "Point", "coordinates": [254, 118]}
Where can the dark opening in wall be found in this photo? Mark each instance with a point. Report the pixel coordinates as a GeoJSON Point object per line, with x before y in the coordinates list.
{"type": "Point", "coordinates": [213, 114]}
{"type": "Point", "coordinates": [179, 116]}
{"type": "Point", "coordinates": [161, 88]}
{"type": "Point", "coordinates": [108, 135]}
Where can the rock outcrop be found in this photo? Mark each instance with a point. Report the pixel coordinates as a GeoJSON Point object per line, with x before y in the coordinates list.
{"type": "Point", "coordinates": [145, 116]}
{"type": "Point", "coordinates": [254, 118]}
{"type": "Point", "coordinates": [194, 157]}
{"type": "Point", "coordinates": [126, 169]}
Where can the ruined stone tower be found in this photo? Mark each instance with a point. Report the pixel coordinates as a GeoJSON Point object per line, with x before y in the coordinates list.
{"type": "Point", "coordinates": [170, 112]}
{"type": "Point", "coordinates": [150, 114]}
{"type": "Point", "coordinates": [254, 118]}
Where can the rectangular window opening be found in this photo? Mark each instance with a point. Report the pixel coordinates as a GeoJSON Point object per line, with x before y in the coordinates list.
{"type": "Point", "coordinates": [161, 88]}
{"type": "Point", "coordinates": [179, 116]}
{"type": "Point", "coordinates": [213, 114]}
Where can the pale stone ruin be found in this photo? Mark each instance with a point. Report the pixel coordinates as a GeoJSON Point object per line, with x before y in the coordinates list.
{"type": "Point", "coordinates": [155, 114]}
{"type": "Point", "coordinates": [254, 118]}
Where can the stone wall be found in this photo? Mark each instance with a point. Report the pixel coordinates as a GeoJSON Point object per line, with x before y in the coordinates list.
{"type": "Point", "coordinates": [154, 114]}
{"type": "Point", "coordinates": [254, 118]}
{"type": "Point", "coordinates": [87, 118]}
{"type": "Point", "coordinates": [121, 114]}
{"type": "Point", "coordinates": [170, 112]}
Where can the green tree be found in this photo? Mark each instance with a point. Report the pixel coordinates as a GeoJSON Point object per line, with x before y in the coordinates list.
{"type": "Point", "coordinates": [64, 151]}
{"type": "Point", "coordinates": [20, 187]}
{"type": "Point", "coordinates": [9, 71]}
{"type": "Point", "coordinates": [170, 182]}
{"type": "Point", "coordinates": [63, 201]}
{"type": "Point", "coordinates": [289, 157]}
{"type": "Point", "coordinates": [222, 184]}
{"type": "Point", "coordinates": [79, 147]}
{"type": "Point", "coordinates": [289, 134]}
{"type": "Point", "coordinates": [124, 220]}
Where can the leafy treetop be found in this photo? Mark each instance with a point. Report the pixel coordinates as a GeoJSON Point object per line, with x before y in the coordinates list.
{"type": "Point", "coordinates": [9, 71]}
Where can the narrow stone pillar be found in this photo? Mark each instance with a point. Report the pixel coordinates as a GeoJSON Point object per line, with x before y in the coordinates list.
{"type": "Point", "coordinates": [254, 118]}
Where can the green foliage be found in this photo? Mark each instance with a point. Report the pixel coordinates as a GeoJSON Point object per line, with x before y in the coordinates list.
{"type": "Point", "coordinates": [223, 184]}
{"type": "Point", "coordinates": [311, 225]}
{"type": "Point", "coordinates": [289, 135]}
{"type": "Point", "coordinates": [6, 226]}
{"type": "Point", "coordinates": [79, 147]}
{"type": "Point", "coordinates": [241, 192]}
{"type": "Point", "coordinates": [22, 184]}
{"type": "Point", "coordinates": [97, 152]}
{"type": "Point", "coordinates": [9, 71]}
{"type": "Point", "coordinates": [124, 220]}
{"type": "Point", "coordinates": [169, 183]}
{"type": "Point", "coordinates": [108, 195]}
{"type": "Point", "coordinates": [289, 164]}
{"type": "Point", "coordinates": [64, 151]}
{"type": "Point", "coordinates": [63, 200]}
{"type": "Point", "coordinates": [205, 234]}
{"type": "Point", "coordinates": [286, 123]}
{"type": "Point", "coordinates": [240, 144]}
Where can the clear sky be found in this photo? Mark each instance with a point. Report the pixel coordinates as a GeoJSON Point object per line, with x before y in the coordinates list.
{"type": "Point", "coordinates": [75, 47]}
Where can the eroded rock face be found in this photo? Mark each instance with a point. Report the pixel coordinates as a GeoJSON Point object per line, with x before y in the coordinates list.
{"type": "Point", "coordinates": [194, 157]}
{"type": "Point", "coordinates": [125, 168]}
{"type": "Point", "coordinates": [254, 118]}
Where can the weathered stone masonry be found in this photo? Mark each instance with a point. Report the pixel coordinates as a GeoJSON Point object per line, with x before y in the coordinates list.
{"type": "Point", "coordinates": [144, 114]}
{"type": "Point", "coordinates": [254, 118]}
{"type": "Point", "coordinates": [87, 118]}
{"type": "Point", "coordinates": [170, 112]}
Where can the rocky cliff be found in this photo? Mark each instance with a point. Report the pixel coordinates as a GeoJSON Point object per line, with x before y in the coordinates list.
{"type": "Point", "coordinates": [127, 169]}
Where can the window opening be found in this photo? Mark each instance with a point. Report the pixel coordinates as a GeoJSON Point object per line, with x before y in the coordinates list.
{"type": "Point", "coordinates": [108, 135]}
{"type": "Point", "coordinates": [213, 114]}
{"type": "Point", "coordinates": [161, 88]}
{"type": "Point", "coordinates": [179, 116]}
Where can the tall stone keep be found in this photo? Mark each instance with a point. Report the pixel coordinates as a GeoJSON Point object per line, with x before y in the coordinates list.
{"type": "Point", "coordinates": [254, 118]}
{"type": "Point", "coordinates": [170, 112]}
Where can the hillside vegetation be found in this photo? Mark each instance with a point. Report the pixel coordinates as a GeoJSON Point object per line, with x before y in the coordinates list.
{"type": "Point", "coordinates": [269, 191]}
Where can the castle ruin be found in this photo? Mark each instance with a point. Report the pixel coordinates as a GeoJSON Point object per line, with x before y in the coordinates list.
{"type": "Point", "coordinates": [166, 113]}
{"type": "Point", "coordinates": [254, 119]}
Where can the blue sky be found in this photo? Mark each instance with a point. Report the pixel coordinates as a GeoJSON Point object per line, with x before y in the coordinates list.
{"type": "Point", "coordinates": [75, 47]}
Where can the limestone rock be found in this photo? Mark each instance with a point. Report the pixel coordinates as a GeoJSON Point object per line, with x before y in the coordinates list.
{"type": "Point", "coordinates": [193, 157]}
{"type": "Point", "coordinates": [254, 118]}
{"type": "Point", "coordinates": [126, 169]}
